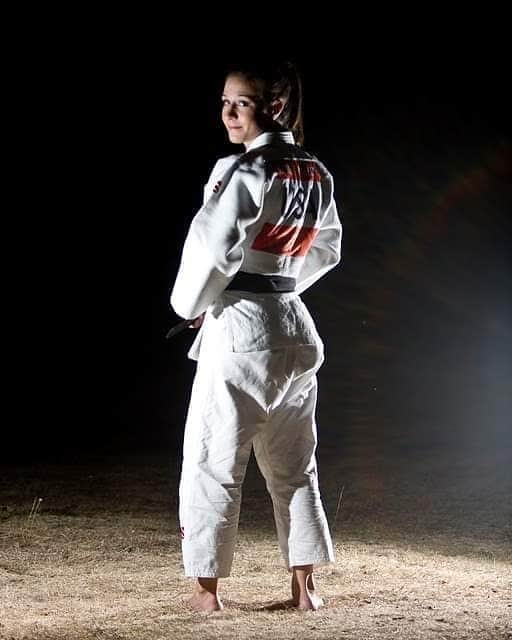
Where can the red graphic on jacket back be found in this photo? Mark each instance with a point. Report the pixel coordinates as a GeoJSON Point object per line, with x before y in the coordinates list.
{"type": "Point", "coordinates": [291, 236]}
{"type": "Point", "coordinates": [217, 186]}
{"type": "Point", "coordinates": [298, 170]}
{"type": "Point", "coordinates": [285, 240]}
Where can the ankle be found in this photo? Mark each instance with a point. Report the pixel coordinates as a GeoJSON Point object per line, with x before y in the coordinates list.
{"type": "Point", "coordinates": [207, 585]}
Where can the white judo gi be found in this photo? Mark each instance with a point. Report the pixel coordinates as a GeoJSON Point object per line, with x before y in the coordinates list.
{"type": "Point", "coordinates": [269, 211]}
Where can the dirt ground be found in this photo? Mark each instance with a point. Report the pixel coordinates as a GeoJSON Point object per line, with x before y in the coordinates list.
{"type": "Point", "coordinates": [89, 550]}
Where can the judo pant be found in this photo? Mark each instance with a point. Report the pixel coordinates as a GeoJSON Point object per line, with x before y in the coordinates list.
{"type": "Point", "coordinates": [264, 399]}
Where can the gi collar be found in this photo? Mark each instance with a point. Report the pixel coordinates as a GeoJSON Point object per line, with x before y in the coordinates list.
{"type": "Point", "coordinates": [269, 137]}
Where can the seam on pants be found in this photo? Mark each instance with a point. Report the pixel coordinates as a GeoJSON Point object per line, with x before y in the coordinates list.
{"type": "Point", "coordinates": [275, 500]}
{"type": "Point", "coordinates": [198, 433]}
{"type": "Point", "coordinates": [289, 351]}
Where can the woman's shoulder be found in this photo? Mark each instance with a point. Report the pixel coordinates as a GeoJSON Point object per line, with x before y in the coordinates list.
{"type": "Point", "coordinates": [222, 164]}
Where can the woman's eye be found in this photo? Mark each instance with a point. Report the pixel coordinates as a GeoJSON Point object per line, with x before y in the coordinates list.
{"type": "Point", "coordinates": [239, 103]}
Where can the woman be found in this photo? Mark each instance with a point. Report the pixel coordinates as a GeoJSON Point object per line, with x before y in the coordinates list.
{"type": "Point", "coordinates": [267, 231]}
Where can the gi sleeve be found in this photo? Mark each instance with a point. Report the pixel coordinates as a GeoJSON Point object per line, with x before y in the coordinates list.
{"type": "Point", "coordinates": [325, 252]}
{"type": "Point", "coordinates": [212, 252]}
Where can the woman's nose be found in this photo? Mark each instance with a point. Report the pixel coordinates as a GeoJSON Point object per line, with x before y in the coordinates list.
{"type": "Point", "coordinates": [231, 111]}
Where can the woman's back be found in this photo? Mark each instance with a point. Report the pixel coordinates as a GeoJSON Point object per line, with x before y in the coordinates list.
{"type": "Point", "coordinates": [271, 211]}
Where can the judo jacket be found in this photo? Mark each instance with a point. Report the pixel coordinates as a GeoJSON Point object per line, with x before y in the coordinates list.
{"type": "Point", "coordinates": [269, 211]}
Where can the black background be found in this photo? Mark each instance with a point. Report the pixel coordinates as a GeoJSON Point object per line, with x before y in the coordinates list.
{"type": "Point", "coordinates": [123, 136]}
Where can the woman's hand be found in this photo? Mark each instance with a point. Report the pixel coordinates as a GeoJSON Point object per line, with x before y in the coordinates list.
{"type": "Point", "coordinates": [195, 324]}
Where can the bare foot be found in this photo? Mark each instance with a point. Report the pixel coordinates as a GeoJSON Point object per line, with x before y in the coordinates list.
{"type": "Point", "coordinates": [205, 602]}
{"type": "Point", "coordinates": [206, 597]}
{"type": "Point", "coordinates": [308, 600]}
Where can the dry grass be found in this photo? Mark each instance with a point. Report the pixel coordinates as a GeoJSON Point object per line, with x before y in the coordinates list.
{"type": "Point", "coordinates": [100, 559]}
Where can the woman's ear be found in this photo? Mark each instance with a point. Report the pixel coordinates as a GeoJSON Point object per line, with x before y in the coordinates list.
{"type": "Point", "coordinates": [276, 108]}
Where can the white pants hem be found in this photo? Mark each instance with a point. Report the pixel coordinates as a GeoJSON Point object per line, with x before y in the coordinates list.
{"type": "Point", "coordinates": [317, 562]}
{"type": "Point", "coordinates": [207, 573]}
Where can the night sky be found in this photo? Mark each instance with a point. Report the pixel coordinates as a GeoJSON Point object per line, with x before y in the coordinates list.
{"type": "Point", "coordinates": [416, 320]}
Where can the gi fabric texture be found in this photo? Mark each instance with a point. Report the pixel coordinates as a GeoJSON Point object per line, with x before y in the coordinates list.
{"type": "Point", "coordinates": [269, 211]}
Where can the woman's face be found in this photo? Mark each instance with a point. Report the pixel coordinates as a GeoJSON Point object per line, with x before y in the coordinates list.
{"type": "Point", "coordinates": [242, 112]}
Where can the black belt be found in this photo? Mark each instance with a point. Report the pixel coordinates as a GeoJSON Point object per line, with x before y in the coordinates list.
{"type": "Point", "coordinates": [258, 283]}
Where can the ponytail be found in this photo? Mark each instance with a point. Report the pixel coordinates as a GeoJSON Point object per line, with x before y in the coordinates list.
{"type": "Point", "coordinates": [288, 86]}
